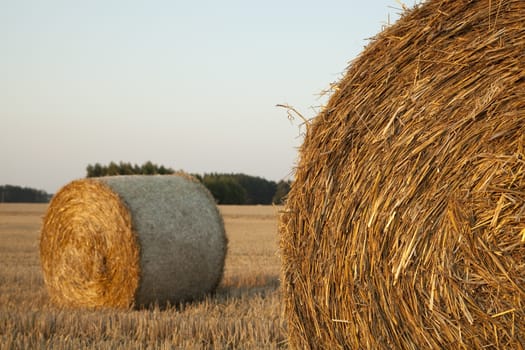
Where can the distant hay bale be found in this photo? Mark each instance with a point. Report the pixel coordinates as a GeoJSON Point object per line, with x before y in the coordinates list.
{"type": "Point", "coordinates": [132, 240]}
{"type": "Point", "coordinates": [405, 226]}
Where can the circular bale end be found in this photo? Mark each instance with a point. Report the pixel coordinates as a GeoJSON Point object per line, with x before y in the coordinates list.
{"type": "Point", "coordinates": [88, 249]}
{"type": "Point", "coordinates": [132, 240]}
{"type": "Point", "coordinates": [405, 225]}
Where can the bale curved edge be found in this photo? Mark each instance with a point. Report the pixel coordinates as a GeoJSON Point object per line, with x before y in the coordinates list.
{"type": "Point", "coordinates": [405, 225]}
{"type": "Point", "coordinates": [132, 240]}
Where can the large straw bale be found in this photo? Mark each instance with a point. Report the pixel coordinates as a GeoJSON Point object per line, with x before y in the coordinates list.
{"type": "Point", "coordinates": [405, 226]}
{"type": "Point", "coordinates": [132, 240]}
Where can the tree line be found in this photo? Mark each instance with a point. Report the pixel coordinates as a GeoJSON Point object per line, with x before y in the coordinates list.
{"type": "Point", "coordinates": [244, 189]}
{"type": "Point", "coordinates": [17, 194]}
{"type": "Point", "coordinates": [225, 188]}
{"type": "Point", "coordinates": [122, 168]}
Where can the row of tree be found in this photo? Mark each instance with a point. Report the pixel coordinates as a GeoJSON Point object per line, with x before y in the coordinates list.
{"type": "Point", "coordinates": [122, 168]}
{"type": "Point", "coordinates": [226, 188]}
{"type": "Point", "coordinates": [244, 189]}
{"type": "Point", "coordinates": [17, 194]}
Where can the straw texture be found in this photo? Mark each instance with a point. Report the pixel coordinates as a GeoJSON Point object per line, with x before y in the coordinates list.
{"type": "Point", "coordinates": [132, 240]}
{"type": "Point", "coordinates": [405, 226]}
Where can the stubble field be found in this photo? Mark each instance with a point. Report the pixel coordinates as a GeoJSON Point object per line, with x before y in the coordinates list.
{"type": "Point", "coordinates": [244, 313]}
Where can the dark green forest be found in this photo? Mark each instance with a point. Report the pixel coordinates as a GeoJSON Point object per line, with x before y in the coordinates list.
{"type": "Point", "coordinates": [225, 188]}
{"type": "Point", "coordinates": [17, 194]}
{"type": "Point", "coordinates": [244, 189]}
{"type": "Point", "coordinates": [112, 169]}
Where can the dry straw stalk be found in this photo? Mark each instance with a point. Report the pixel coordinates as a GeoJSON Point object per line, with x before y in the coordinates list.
{"type": "Point", "coordinates": [404, 226]}
{"type": "Point", "coordinates": [132, 240]}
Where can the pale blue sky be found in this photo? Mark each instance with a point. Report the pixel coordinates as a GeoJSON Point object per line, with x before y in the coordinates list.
{"type": "Point", "coordinates": [191, 85]}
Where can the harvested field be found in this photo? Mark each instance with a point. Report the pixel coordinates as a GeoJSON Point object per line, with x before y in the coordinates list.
{"type": "Point", "coordinates": [244, 313]}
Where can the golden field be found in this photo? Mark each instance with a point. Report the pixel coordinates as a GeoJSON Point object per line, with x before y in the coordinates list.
{"type": "Point", "coordinates": [244, 313]}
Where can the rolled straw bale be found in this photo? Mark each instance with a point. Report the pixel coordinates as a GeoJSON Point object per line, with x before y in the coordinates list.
{"type": "Point", "coordinates": [132, 240]}
{"type": "Point", "coordinates": [405, 226]}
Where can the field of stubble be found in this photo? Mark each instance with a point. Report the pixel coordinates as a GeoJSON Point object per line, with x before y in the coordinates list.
{"type": "Point", "coordinates": [245, 312]}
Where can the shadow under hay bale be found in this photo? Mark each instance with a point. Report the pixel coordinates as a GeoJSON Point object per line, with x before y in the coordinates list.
{"type": "Point", "coordinates": [132, 240]}
{"type": "Point", "coordinates": [405, 226]}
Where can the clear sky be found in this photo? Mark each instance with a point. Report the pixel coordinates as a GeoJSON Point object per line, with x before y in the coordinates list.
{"type": "Point", "coordinates": [191, 85]}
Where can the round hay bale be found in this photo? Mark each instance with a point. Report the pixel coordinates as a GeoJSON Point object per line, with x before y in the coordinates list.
{"type": "Point", "coordinates": [405, 226]}
{"type": "Point", "coordinates": [132, 240]}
